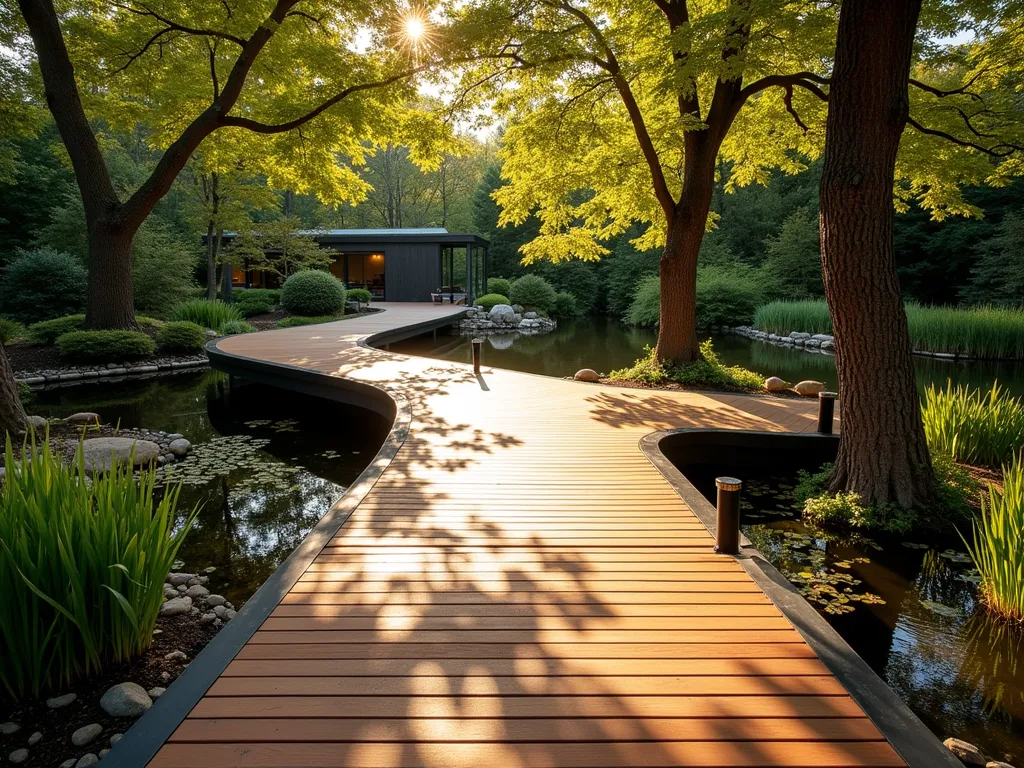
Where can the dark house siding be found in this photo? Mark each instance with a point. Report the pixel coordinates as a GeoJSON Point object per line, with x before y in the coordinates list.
{"type": "Point", "coordinates": [412, 271]}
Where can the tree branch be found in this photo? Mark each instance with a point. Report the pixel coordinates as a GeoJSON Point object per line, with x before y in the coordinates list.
{"type": "Point", "coordinates": [943, 93]}
{"type": "Point", "coordinates": [1002, 149]}
{"type": "Point", "coordinates": [172, 25]}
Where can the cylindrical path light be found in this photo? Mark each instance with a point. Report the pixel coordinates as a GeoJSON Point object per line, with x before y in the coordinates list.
{"type": "Point", "coordinates": [727, 535]}
{"type": "Point", "coordinates": [826, 412]}
{"type": "Point", "coordinates": [478, 350]}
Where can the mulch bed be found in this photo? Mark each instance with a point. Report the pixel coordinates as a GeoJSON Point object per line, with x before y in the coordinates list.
{"type": "Point", "coordinates": [178, 633]}
{"type": "Point", "coordinates": [34, 357]}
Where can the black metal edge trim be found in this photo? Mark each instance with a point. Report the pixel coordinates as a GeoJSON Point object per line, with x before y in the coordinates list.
{"type": "Point", "coordinates": [911, 738]}
{"type": "Point", "coordinates": [146, 736]}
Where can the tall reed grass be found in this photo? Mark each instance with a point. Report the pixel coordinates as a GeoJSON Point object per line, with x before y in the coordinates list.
{"type": "Point", "coordinates": [208, 314]}
{"type": "Point", "coordinates": [997, 546]}
{"type": "Point", "coordinates": [973, 427]}
{"type": "Point", "coordinates": [82, 567]}
{"type": "Point", "coordinates": [983, 332]}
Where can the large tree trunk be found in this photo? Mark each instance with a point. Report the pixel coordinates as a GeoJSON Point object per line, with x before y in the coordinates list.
{"type": "Point", "coordinates": [12, 414]}
{"type": "Point", "coordinates": [883, 455]}
{"type": "Point", "coordinates": [110, 299]}
{"type": "Point", "coordinates": [677, 324]}
{"type": "Point", "coordinates": [212, 242]}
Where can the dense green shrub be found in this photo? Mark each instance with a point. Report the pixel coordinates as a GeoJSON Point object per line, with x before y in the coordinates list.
{"type": "Point", "coordinates": [41, 284]}
{"type": "Point", "coordinates": [47, 331]}
{"type": "Point", "coordinates": [312, 292]}
{"type": "Point", "coordinates": [499, 285]}
{"type": "Point", "coordinates": [646, 307]}
{"type": "Point", "coordinates": [270, 295]}
{"type": "Point", "coordinates": [253, 307]}
{"type": "Point", "coordinates": [997, 547]}
{"type": "Point", "coordinates": [973, 427]}
{"type": "Point", "coordinates": [727, 295]}
{"type": "Point", "coordinates": [708, 373]}
{"type": "Point", "coordinates": [564, 304]}
{"type": "Point", "coordinates": [163, 266]}
{"type": "Point", "coordinates": [181, 336]}
{"type": "Point", "coordinates": [83, 563]}
{"type": "Point", "coordinates": [208, 314]}
{"type": "Point", "coordinates": [236, 326]}
{"type": "Point", "coordinates": [104, 346]}
{"type": "Point", "coordinates": [10, 330]}
{"type": "Point", "coordinates": [845, 510]}
{"type": "Point", "coordinates": [491, 300]}
{"type": "Point", "coordinates": [360, 295]}
{"type": "Point", "coordinates": [533, 292]}
{"type": "Point", "coordinates": [296, 320]}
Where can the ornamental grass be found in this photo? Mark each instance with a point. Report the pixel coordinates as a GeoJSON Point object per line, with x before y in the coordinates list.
{"type": "Point", "coordinates": [82, 566]}
{"type": "Point", "coordinates": [998, 544]}
{"type": "Point", "coordinates": [971, 426]}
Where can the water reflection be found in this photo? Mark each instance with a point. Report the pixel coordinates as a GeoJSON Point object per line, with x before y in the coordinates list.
{"type": "Point", "coordinates": [604, 345]}
{"type": "Point", "coordinates": [266, 463]}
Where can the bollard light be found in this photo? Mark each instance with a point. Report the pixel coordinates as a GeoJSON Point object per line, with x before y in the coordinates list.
{"type": "Point", "coordinates": [478, 349]}
{"type": "Point", "coordinates": [727, 534]}
{"type": "Point", "coordinates": [826, 412]}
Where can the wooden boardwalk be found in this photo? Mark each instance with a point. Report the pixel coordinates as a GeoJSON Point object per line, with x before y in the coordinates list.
{"type": "Point", "coordinates": [521, 587]}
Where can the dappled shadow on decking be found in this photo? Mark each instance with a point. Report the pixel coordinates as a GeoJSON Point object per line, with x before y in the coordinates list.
{"type": "Point", "coordinates": [522, 588]}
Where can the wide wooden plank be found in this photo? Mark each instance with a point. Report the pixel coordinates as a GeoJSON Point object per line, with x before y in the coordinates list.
{"type": "Point", "coordinates": [528, 636]}
{"type": "Point", "coordinates": [455, 705]}
{"type": "Point", "coordinates": [737, 685]}
{"type": "Point", "coordinates": [596, 609]}
{"type": "Point", "coordinates": [562, 600]}
{"type": "Point", "coordinates": [593, 584]}
{"type": "Point", "coordinates": [550, 666]}
{"type": "Point", "coordinates": [538, 623]}
{"type": "Point", "coordinates": [335, 730]}
{"type": "Point", "coordinates": [663, 754]}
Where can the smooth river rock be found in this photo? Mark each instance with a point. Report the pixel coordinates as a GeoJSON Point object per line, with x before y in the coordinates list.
{"type": "Point", "coordinates": [83, 417]}
{"type": "Point", "coordinates": [809, 388]}
{"type": "Point", "coordinates": [176, 607]}
{"type": "Point", "coordinates": [99, 452]}
{"type": "Point", "coordinates": [85, 734]}
{"type": "Point", "coordinates": [180, 446]}
{"type": "Point", "coordinates": [501, 313]}
{"type": "Point", "coordinates": [61, 701]}
{"type": "Point", "coordinates": [967, 752]}
{"type": "Point", "coordinates": [775, 384]}
{"type": "Point", "coordinates": [125, 700]}
{"type": "Point", "coordinates": [587, 374]}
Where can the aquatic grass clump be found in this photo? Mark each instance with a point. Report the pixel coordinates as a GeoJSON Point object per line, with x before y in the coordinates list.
{"type": "Point", "coordinates": [82, 562]}
{"type": "Point", "coordinates": [784, 317]}
{"type": "Point", "coordinates": [982, 332]}
{"type": "Point", "coordinates": [709, 373]}
{"type": "Point", "coordinates": [973, 427]}
{"type": "Point", "coordinates": [998, 544]}
{"type": "Point", "coordinates": [208, 314]}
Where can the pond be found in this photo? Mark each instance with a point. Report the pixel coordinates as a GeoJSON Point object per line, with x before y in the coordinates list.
{"type": "Point", "coordinates": [605, 344]}
{"type": "Point", "coordinates": [908, 607]}
{"type": "Point", "coordinates": [266, 463]}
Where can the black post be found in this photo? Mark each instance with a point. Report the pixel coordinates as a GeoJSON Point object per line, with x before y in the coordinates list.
{"type": "Point", "coordinates": [826, 411]}
{"type": "Point", "coordinates": [478, 347]}
{"type": "Point", "coordinates": [727, 533]}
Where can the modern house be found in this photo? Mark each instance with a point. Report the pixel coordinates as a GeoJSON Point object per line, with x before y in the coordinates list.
{"type": "Point", "coordinates": [396, 264]}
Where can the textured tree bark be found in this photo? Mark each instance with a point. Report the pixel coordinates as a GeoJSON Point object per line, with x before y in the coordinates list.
{"type": "Point", "coordinates": [677, 324]}
{"type": "Point", "coordinates": [110, 298]}
{"type": "Point", "coordinates": [212, 242]}
{"type": "Point", "coordinates": [883, 455]}
{"type": "Point", "coordinates": [12, 414]}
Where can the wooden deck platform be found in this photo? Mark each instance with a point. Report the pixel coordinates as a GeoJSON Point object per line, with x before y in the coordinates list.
{"type": "Point", "coordinates": [521, 587]}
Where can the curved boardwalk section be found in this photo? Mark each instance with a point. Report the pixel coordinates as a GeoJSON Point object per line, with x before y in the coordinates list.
{"type": "Point", "coordinates": [520, 587]}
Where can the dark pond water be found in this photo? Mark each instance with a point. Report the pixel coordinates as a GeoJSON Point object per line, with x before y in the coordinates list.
{"type": "Point", "coordinates": [604, 345]}
{"type": "Point", "coordinates": [909, 608]}
{"type": "Point", "coordinates": [266, 463]}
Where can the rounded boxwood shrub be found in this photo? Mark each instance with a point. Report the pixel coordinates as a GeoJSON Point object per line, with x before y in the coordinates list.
{"type": "Point", "coordinates": [236, 326]}
{"type": "Point", "coordinates": [533, 292]}
{"type": "Point", "coordinates": [47, 331]}
{"type": "Point", "coordinates": [312, 292]}
{"type": "Point", "coordinates": [251, 307]}
{"type": "Point", "coordinates": [499, 285]}
{"type": "Point", "coordinates": [104, 346]}
{"type": "Point", "coordinates": [491, 300]}
{"type": "Point", "coordinates": [41, 284]}
{"type": "Point", "coordinates": [564, 304]}
{"type": "Point", "coordinates": [270, 295]}
{"type": "Point", "coordinates": [181, 336]}
{"type": "Point", "coordinates": [361, 295]}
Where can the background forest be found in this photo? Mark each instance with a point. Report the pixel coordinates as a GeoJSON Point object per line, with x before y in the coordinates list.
{"type": "Point", "coordinates": [765, 245]}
